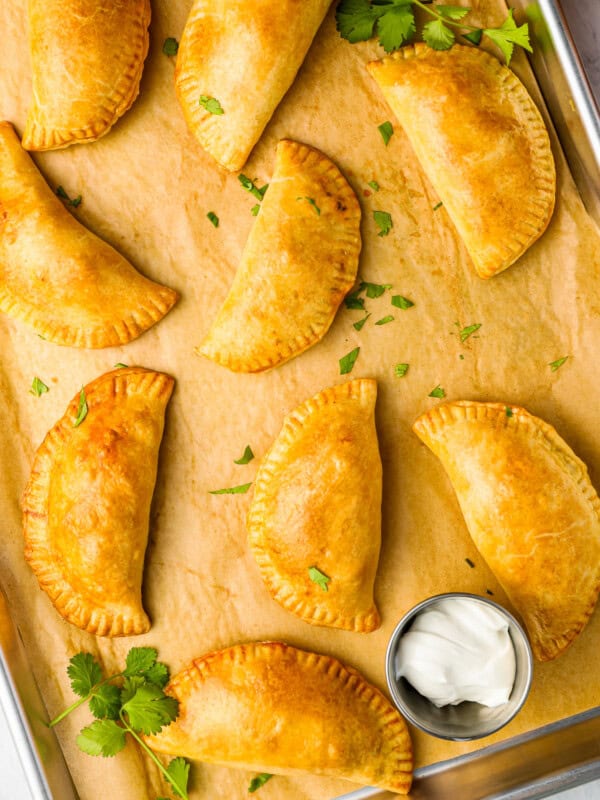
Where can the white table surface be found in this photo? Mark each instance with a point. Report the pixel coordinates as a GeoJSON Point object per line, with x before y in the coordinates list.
{"type": "Point", "coordinates": [584, 20]}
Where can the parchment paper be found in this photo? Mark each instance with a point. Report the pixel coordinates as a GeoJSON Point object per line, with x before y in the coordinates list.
{"type": "Point", "coordinates": [147, 187]}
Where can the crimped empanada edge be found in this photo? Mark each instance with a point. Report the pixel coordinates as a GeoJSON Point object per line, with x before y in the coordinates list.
{"type": "Point", "coordinates": [393, 726]}
{"type": "Point", "coordinates": [364, 390]}
{"type": "Point", "coordinates": [72, 606]}
{"type": "Point", "coordinates": [39, 136]}
{"type": "Point", "coordinates": [342, 279]}
{"type": "Point", "coordinates": [535, 216]}
{"type": "Point", "coordinates": [427, 427]}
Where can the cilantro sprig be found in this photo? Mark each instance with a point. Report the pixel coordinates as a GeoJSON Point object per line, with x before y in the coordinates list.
{"type": "Point", "coordinates": [394, 23]}
{"type": "Point", "coordinates": [129, 702]}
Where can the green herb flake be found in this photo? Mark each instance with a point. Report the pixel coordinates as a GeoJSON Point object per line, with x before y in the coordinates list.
{"type": "Point", "coordinates": [311, 202]}
{"type": "Point", "coordinates": [509, 411]}
{"type": "Point", "coordinates": [255, 209]}
{"type": "Point", "coordinates": [38, 387]}
{"type": "Point", "coordinates": [398, 301]}
{"type": "Point", "coordinates": [250, 186]}
{"type": "Point", "coordinates": [383, 220]}
{"type": "Point", "coordinates": [347, 362]}
{"type": "Point", "coordinates": [386, 130]}
{"type": "Point", "coordinates": [82, 409]}
{"type": "Point", "coordinates": [213, 218]}
{"type": "Point", "coordinates": [259, 781]}
{"type": "Point", "coordinates": [359, 325]}
{"type": "Point", "coordinates": [508, 35]}
{"type": "Point", "coordinates": [170, 46]}
{"type": "Point", "coordinates": [437, 392]}
{"type": "Point", "coordinates": [120, 365]}
{"type": "Point", "coordinates": [76, 201]}
{"type": "Point", "coordinates": [400, 370]}
{"type": "Point", "coordinates": [211, 104]}
{"type": "Point", "coordinates": [438, 205]}
{"type": "Point", "coordinates": [374, 185]}
{"type": "Point", "coordinates": [246, 457]}
{"type": "Point", "coordinates": [554, 365]}
{"type": "Point", "coordinates": [469, 331]}
{"type": "Point", "coordinates": [438, 35]}
{"type": "Point", "coordinates": [319, 578]}
{"type": "Point", "coordinates": [385, 320]}
{"type": "Point", "coordinates": [374, 290]}
{"type": "Point", "coordinates": [242, 489]}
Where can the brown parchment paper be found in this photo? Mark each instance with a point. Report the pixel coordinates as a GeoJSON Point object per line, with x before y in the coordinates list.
{"type": "Point", "coordinates": [147, 187]}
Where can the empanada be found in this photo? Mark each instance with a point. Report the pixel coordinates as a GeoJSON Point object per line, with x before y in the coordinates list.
{"type": "Point", "coordinates": [530, 508]}
{"type": "Point", "coordinates": [87, 505]}
{"type": "Point", "coordinates": [317, 505]}
{"type": "Point", "coordinates": [273, 708]}
{"type": "Point", "coordinates": [55, 275]}
{"type": "Point", "coordinates": [482, 143]}
{"type": "Point", "coordinates": [244, 55]}
{"type": "Point", "coordinates": [87, 58]}
{"type": "Point", "coordinates": [300, 259]}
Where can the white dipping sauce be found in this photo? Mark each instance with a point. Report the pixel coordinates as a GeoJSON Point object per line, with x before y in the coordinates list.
{"type": "Point", "coordinates": [456, 650]}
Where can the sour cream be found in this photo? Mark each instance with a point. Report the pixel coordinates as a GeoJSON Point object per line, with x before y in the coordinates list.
{"type": "Point", "coordinates": [457, 650]}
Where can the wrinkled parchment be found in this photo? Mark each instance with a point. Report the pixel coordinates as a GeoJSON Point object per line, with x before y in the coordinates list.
{"type": "Point", "coordinates": [147, 188]}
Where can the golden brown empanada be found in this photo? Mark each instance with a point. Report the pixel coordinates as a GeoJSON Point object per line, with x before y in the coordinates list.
{"type": "Point", "coordinates": [300, 259]}
{"type": "Point", "coordinates": [87, 505]}
{"type": "Point", "coordinates": [317, 505]}
{"type": "Point", "coordinates": [245, 56]}
{"type": "Point", "coordinates": [87, 58]}
{"type": "Point", "coordinates": [481, 142]}
{"type": "Point", "coordinates": [69, 285]}
{"type": "Point", "coordinates": [530, 508]}
{"type": "Point", "coordinates": [273, 708]}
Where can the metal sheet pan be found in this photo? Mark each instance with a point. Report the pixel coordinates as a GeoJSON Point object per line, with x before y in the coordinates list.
{"type": "Point", "coordinates": [529, 766]}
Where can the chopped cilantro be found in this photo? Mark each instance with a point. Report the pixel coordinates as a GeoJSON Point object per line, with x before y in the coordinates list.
{"type": "Point", "coordinates": [38, 387]}
{"type": "Point", "coordinates": [469, 331]}
{"type": "Point", "coordinates": [255, 209]}
{"type": "Point", "coordinates": [374, 185]}
{"type": "Point", "coordinates": [400, 370]}
{"type": "Point", "coordinates": [312, 202]}
{"type": "Point", "coordinates": [347, 362]}
{"type": "Point", "coordinates": [554, 365]}
{"type": "Point", "coordinates": [242, 489]}
{"type": "Point", "coordinates": [383, 220]}
{"type": "Point", "coordinates": [385, 320]}
{"type": "Point", "coordinates": [82, 409]}
{"type": "Point", "coordinates": [213, 218]}
{"type": "Point", "coordinates": [259, 781]}
{"type": "Point", "coordinates": [246, 457]}
{"type": "Point", "coordinates": [170, 46]}
{"type": "Point", "coordinates": [211, 104]}
{"type": "Point", "coordinates": [64, 196]}
{"type": "Point", "coordinates": [319, 578]}
{"type": "Point", "coordinates": [437, 392]}
{"type": "Point", "coordinates": [386, 130]}
{"type": "Point", "coordinates": [251, 187]}
{"type": "Point", "coordinates": [398, 301]}
{"type": "Point", "coordinates": [359, 325]}
{"type": "Point", "coordinates": [509, 411]}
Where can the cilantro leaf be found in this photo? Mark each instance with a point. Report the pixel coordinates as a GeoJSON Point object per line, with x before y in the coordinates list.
{"type": "Point", "coordinates": [38, 387]}
{"type": "Point", "coordinates": [374, 290]}
{"type": "Point", "coordinates": [385, 320]}
{"type": "Point", "coordinates": [383, 220]}
{"type": "Point", "coordinates": [386, 129]}
{"type": "Point", "coordinates": [358, 326]}
{"type": "Point", "coordinates": [469, 331]}
{"type": "Point", "coordinates": [355, 19]}
{"type": "Point", "coordinates": [374, 185]}
{"type": "Point", "coordinates": [158, 674]}
{"type": "Point", "coordinates": [242, 489]}
{"type": "Point", "coordinates": [437, 392]}
{"type": "Point", "coordinates": [474, 36]}
{"type": "Point", "coordinates": [255, 209]}
{"type": "Point", "coordinates": [398, 301]}
{"type": "Point", "coordinates": [508, 35]}
{"type": "Point", "coordinates": [312, 202]}
{"type": "Point", "coordinates": [106, 702]}
{"type": "Point", "coordinates": [437, 35]}
{"type": "Point", "coordinates": [130, 687]}
{"type": "Point", "coordinates": [64, 196]}
{"type": "Point", "coordinates": [353, 301]}
{"type": "Point", "coordinates": [150, 709]}
{"type": "Point", "coordinates": [84, 672]}
{"type": "Point", "coordinates": [554, 365]}
{"type": "Point", "coordinates": [400, 370]}
{"type": "Point", "coordinates": [347, 362]}
{"type": "Point", "coordinates": [211, 104]}
{"type": "Point", "coordinates": [319, 578]}
{"type": "Point", "coordinates": [213, 218]}
{"type": "Point", "coordinates": [395, 27]}
{"type": "Point", "coordinates": [170, 46]}
{"type": "Point", "coordinates": [82, 409]}
{"type": "Point", "coordinates": [120, 365]}
{"type": "Point", "coordinates": [509, 411]}
{"type": "Point", "coordinates": [178, 773]}
{"type": "Point", "coordinates": [139, 660]}
{"type": "Point", "coordinates": [246, 457]}
{"type": "Point", "coordinates": [102, 738]}
{"type": "Point", "coordinates": [259, 781]}
{"type": "Point", "coordinates": [453, 12]}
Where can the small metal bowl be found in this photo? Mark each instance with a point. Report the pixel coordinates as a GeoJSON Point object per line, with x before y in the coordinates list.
{"type": "Point", "coordinates": [468, 720]}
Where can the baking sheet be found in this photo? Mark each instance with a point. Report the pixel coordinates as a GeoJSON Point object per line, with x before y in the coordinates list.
{"type": "Point", "coordinates": [147, 188]}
